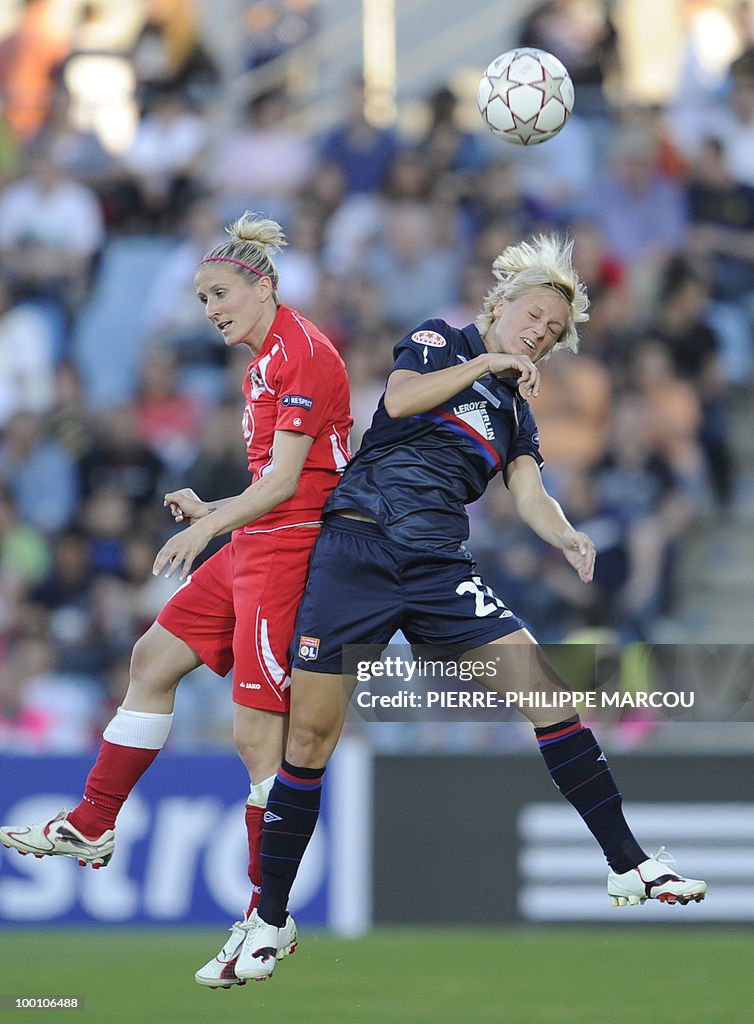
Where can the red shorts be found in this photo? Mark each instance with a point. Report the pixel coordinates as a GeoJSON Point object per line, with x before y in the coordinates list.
{"type": "Point", "coordinates": [238, 610]}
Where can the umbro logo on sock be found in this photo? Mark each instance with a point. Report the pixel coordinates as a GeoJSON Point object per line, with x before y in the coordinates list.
{"type": "Point", "coordinates": [602, 758]}
{"type": "Point", "coordinates": [269, 817]}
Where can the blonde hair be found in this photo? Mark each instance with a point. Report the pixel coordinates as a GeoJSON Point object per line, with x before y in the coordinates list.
{"type": "Point", "coordinates": [546, 261]}
{"type": "Point", "coordinates": [253, 242]}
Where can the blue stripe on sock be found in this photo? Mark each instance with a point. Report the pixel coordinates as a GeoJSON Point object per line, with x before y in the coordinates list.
{"type": "Point", "coordinates": [613, 796]}
{"type": "Point", "coordinates": [562, 764]}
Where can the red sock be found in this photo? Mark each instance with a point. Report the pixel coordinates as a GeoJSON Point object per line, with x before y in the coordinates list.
{"type": "Point", "coordinates": [254, 825]}
{"type": "Point", "coordinates": [115, 773]}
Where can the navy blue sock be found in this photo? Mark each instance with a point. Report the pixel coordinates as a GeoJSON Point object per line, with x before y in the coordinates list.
{"type": "Point", "coordinates": [289, 819]}
{"type": "Point", "coordinates": [579, 769]}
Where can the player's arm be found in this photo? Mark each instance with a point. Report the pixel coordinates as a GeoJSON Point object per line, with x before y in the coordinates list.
{"type": "Point", "coordinates": [541, 512]}
{"type": "Point", "coordinates": [409, 392]}
{"type": "Point", "coordinates": [279, 483]}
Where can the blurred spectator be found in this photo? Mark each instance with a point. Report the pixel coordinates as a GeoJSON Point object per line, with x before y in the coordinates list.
{"type": "Point", "coordinates": [173, 315]}
{"type": "Point", "coordinates": [221, 467]}
{"type": "Point", "coordinates": [69, 422]}
{"type": "Point", "coordinates": [520, 569]}
{"type": "Point", "coordinates": [582, 35]}
{"type": "Point", "coordinates": [408, 268]}
{"type": "Point", "coordinates": [573, 411]}
{"type": "Point", "coordinates": [67, 597]}
{"type": "Point", "coordinates": [39, 473]}
{"type": "Point", "coordinates": [711, 41]}
{"type": "Point", "coordinates": [674, 410]}
{"type": "Point", "coordinates": [496, 203]}
{"type": "Point", "coordinates": [108, 519]}
{"type": "Point", "coordinates": [299, 264]}
{"type": "Point", "coordinates": [120, 461]}
{"type": "Point", "coordinates": [29, 57]}
{"type": "Point", "coordinates": [26, 357]}
{"type": "Point", "coordinates": [163, 160]}
{"type": "Point", "coordinates": [262, 164]}
{"type": "Point", "coordinates": [734, 125]}
{"type": "Point", "coordinates": [611, 310]}
{"type": "Point", "coordinates": [25, 554]}
{"type": "Point", "coordinates": [51, 228]}
{"type": "Point", "coordinates": [77, 150]}
{"type": "Point", "coordinates": [641, 213]}
{"type": "Point", "coordinates": [636, 486]}
{"type": "Point", "coordinates": [169, 422]}
{"type": "Point", "coordinates": [446, 148]}
{"type": "Point", "coordinates": [695, 349]}
{"type": "Point", "coordinates": [168, 53]}
{"type": "Point", "coordinates": [731, 122]}
{"type": "Point", "coordinates": [363, 153]}
{"type": "Point", "coordinates": [44, 709]}
{"type": "Point", "coordinates": [722, 236]}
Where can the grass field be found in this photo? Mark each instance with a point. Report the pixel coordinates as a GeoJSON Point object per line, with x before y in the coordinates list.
{"type": "Point", "coordinates": [658, 976]}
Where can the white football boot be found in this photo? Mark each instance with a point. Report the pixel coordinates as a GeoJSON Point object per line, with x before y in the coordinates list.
{"type": "Point", "coordinates": [652, 880]}
{"type": "Point", "coordinates": [263, 946]}
{"type": "Point", "coordinates": [220, 972]}
{"type": "Point", "coordinates": [58, 838]}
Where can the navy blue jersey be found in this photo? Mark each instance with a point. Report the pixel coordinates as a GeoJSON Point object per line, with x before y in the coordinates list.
{"type": "Point", "coordinates": [414, 476]}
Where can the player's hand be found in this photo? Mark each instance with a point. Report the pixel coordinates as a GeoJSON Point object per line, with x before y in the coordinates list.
{"type": "Point", "coordinates": [503, 365]}
{"type": "Point", "coordinates": [179, 553]}
{"type": "Point", "coordinates": [186, 505]}
{"type": "Point", "coordinates": [580, 553]}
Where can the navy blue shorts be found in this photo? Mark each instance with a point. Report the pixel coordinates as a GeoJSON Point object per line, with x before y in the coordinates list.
{"type": "Point", "coordinates": [363, 587]}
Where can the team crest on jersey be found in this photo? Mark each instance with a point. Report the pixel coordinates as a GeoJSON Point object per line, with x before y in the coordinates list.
{"type": "Point", "coordinates": [308, 648]}
{"type": "Point", "coordinates": [257, 383]}
{"type": "Point", "coordinates": [431, 338]}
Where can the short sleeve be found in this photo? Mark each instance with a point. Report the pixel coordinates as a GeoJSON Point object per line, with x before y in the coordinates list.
{"type": "Point", "coordinates": [429, 347]}
{"type": "Point", "coordinates": [527, 437]}
{"type": "Point", "coordinates": [304, 388]}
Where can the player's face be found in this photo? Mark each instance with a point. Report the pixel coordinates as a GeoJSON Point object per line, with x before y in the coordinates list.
{"type": "Point", "coordinates": [528, 325]}
{"type": "Point", "coordinates": [240, 309]}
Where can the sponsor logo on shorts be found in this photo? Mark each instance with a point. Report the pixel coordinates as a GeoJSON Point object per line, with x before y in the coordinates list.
{"type": "Point", "coordinates": [431, 338]}
{"type": "Point", "coordinates": [308, 648]}
{"type": "Point", "coordinates": [250, 686]}
{"type": "Point", "coordinates": [297, 422]}
{"type": "Point", "coordinates": [300, 400]}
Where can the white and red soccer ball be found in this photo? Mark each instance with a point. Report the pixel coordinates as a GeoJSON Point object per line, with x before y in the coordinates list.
{"type": "Point", "coordinates": [525, 96]}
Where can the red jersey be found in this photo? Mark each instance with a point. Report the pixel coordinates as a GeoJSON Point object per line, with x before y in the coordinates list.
{"type": "Point", "coordinates": [297, 382]}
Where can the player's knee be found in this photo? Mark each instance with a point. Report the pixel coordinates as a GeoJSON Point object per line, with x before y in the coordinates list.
{"type": "Point", "coordinates": [144, 674]}
{"type": "Point", "coordinates": [310, 745]}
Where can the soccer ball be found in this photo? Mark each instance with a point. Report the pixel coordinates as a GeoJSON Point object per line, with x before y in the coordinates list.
{"type": "Point", "coordinates": [525, 96]}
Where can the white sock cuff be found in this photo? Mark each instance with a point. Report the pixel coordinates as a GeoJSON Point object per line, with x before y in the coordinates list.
{"type": "Point", "coordinates": [141, 729]}
{"type": "Point", "coordinates": [258, 794]}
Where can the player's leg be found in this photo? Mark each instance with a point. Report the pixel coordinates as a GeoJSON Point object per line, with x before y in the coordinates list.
{"type": "Point", "coordinates": [353, 596]}
{"type": "Point", "coordinates": [195, 625]}
{"type": "Point", "coordinates": [450, 603]}
{"type": "Point", "coordinates": [318, 708]}
{"type": "Point", "coordinates": [131, 741]}
{"type": "Point", "coordinates": [579, 768]}
{"type": "Point", "coordinates": [270, 572]}
{"type": "Point", "coordinates": [260, 740]}
{"type": "Point", "coordinates": [260, 737]}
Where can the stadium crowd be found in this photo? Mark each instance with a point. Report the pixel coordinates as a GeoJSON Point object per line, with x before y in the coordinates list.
{"type": "Point", "coordinates": [115, 389]}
